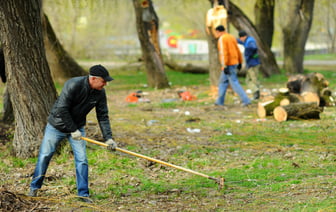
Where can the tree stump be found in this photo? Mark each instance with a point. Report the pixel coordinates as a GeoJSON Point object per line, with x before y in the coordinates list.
{"type": "Point", "coordinates": [311, 87]}
{"type": "Point", "coordinates": [301, 110]}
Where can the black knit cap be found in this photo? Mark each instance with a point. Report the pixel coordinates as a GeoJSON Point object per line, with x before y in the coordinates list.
{"type": "Point", "coordinates": [242, 33]}
{"type": "Point", "coordinates": [100, 71]}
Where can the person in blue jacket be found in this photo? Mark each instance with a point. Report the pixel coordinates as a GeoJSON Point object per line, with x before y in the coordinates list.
{"type": "Point", "coordinates": [252, 62]}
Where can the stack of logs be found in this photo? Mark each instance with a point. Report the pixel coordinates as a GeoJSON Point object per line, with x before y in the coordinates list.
{"type": "Point", "coordinates": [304, 98]}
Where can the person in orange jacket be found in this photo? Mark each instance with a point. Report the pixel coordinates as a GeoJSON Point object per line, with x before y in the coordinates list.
{"type": "Point", "coordinates": [231, 59]}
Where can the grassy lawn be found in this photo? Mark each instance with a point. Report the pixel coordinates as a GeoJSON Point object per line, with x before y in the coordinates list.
{"type": "Point", "coordinates": [267, 165]}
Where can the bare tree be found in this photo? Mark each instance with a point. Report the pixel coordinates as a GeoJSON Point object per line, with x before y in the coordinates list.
{"type": "Point", "coordinates": [61, 64]}
{"type": "Point", "coordinates": [29, 82]}
{"type": "Point", "coordinates": [264, 20]}
{"type": "Point", "coordinates": [269, 65]}
{"type": "Point", "coordinates": [295, 33]}
{"type": "Point", "coordinates": [211, 24]}
{"type": "Point", "coordinates": [146, 19]}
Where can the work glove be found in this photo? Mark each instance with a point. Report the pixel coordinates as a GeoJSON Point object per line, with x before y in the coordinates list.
{"type": "Point", "coordinates": [112, 145]}
{"type": "Point", "coordinates": [226, 70]}
{"type": "Point", "coordinates": [239, 66]}
{"type": "Point", "coordinates": [76, 135]}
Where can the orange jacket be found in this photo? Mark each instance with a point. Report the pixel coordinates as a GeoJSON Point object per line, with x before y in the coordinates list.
{"type": "Point", "coordinates": [229, 53]}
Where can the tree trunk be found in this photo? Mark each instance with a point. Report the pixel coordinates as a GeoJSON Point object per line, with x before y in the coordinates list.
{"type": "Point", "coordinates": [214, 64]}
{"type": "Point", "coordinates": [188, 68]}
{"type": "Point", "coordinates": [213, 19]}
{"type": "Point", "coordinates": [156, 75]}
{"type": "Point", "coordinates": [301, 110]}
{"type": "Point", "coordinates": [312, 87]}
{"type": "Point", "coordinates": [240, 21]}
{"type": "Point", "coordinates": [8, 114]}
{"type": "Point", "coordinates": [264, 20]}
{"type": "Point", "coordinates": [295, 32]}
{"type": "Point", "coordinates": [29, 82]}
{"type": "Point", "coordinates": [61, 64]}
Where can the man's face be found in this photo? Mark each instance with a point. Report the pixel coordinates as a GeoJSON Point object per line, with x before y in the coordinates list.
{"type": "Point", "coordinates": [243, 38]}
{"type": "Point", "coordinates": [218, 34]}
{"type": "Point", "coordinates": [98, 83]}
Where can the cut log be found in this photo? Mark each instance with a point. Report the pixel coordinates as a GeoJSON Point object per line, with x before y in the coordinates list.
{"type": "Point", "coordinates": [313, 82]}
{"type": "Point", "coordinates": [187, 68]}
{"type": "Point", "coordinates": [294, 83]}
{"type": "Point", "coordinates": [309, 87]}
{"type": "Point", "coordinates": [326, 98]}
{"type": "Point", "coordinates": [264, 109]}
{"type": "Point", "coordinates": [326, 92]}
{"type": "Point", "coordinates": [311, 97]}
{"type": "Point", "coordinates": [301, 110]}
{"type": "Point", "coordinates": [284, 102]}
{"type": "Point", "coordinates": [282, 98]}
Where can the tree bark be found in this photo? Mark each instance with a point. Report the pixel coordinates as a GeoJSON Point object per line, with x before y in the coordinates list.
{"type": "Point", "coordinates": [29, 83]}
{"type": "Point", "coordinates": [311, 87]}
{"type": "Point", "coordinates": [61, 64]}
{"type": "Point", "coordinates": [301, 110]}
{"type": "Point", "coordinates": [188, 68]}
{"type": "Point", "coordinates": [156, 75]}
{"type": "Point", "coordinates": [240, 21]}
{"type": "Point", "coordinates": [214, 64]}
{"type": "Point", "coordinates": [264, 20]}
{"type": "Point", "coordinates": [295, 32]}
{"type": "Point", "coordinates": [8, 115]}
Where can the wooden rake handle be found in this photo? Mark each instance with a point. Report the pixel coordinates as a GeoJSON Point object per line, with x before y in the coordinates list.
{"type": "Point", "coordinates": [219, 181]}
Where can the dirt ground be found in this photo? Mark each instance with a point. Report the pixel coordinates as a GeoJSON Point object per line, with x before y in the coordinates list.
{"type": "Point", "coordinates": [153, 127]}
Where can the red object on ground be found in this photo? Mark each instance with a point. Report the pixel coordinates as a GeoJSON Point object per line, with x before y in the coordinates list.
{"type": "Point", "coordinates": [187, 96]}
{"type": "Point", "coordinates": [133, 97]}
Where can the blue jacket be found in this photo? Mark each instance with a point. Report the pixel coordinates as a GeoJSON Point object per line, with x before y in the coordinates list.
{"type": "Point", "coordinates": [250, 52]}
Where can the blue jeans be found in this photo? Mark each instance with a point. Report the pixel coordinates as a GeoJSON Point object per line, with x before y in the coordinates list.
{"type": "Point", "coordinates": [51, 139]}
{"type": "Point", "coordinates": [223, 84]}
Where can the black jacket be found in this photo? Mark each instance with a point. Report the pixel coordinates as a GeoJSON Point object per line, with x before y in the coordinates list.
{"type": "Point", "coordinates": [77, 99]}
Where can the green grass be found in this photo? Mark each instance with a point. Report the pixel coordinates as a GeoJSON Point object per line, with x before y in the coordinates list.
{"type": "Point", "coordinates": [320, 57]}
{"type": "Point", "coordinates": [267, 166]}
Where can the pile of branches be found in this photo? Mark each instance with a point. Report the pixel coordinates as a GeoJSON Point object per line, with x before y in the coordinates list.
{"type": "Point", "coordinates": [12, 202]}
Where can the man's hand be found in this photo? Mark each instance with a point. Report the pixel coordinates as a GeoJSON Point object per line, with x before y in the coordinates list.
{"type": "Point", "coordinates": [226, 70]}
{"type": "Point", "coordinates": [239, 66]}
{"type": "Point", "coordinates": [76, 135]}
{"type": "Point", "coordinates": [112, 145]}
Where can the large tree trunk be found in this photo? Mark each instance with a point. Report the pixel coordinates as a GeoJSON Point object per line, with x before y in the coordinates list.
{"type": "Point", "coordinates": [241, 21]}
{"type": "Point", "coordinates": [214, 64]}
{"type": "Point", "coordinates": [8, 115]}
{"type": "Point", "coordinates": [264, 20]}
{"type": "Point", "coordinates": [295, 32]}
{"type": "Point", "coordinates": [211, 24]}
{"type": "Point", "coordinates": [156, 75]}
{"type": "Point", "coordinates": [29, 83]}
{"type": "Point", "coordinates": [62, 65]}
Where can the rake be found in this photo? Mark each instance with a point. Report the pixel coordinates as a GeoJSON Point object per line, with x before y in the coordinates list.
{"type": "Point", "coordinates": [219, 181]}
